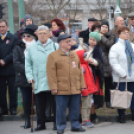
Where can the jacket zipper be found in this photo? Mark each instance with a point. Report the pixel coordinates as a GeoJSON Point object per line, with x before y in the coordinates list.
{"type": "Point", "coordinates": [69, 74]}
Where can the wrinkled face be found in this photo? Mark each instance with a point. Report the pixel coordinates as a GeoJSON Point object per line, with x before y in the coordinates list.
{"type": "Point", "coordinates": [3, 28]}
{"type": "Point", "coordinates": [124, 35]}
{"type": "Point", "coordinates": [131, 21]}
{"type": "Point", "coordinates": [90, 24]}
{"type": "Point", "coordinates": [54, 26]}
{"type": "Point", "coordinates": [104, 29]}
{"type": "Point", "coordinates": [119, 22]}
{"type": "Point", "coordinates": [65, 44]}
{"type": "Point", "coordinates": [92, 42]}
{"type": "Point", "coordinates": [43, 36]}
{"type": "Point", "coordinates": [27, 37]}
{"type": "Point", "coordinates": [28, 22]}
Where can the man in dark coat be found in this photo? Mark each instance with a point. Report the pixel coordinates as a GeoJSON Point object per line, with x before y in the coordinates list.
{"type": "Point", "coordinates": [7, 72]}
{"type": "Point", "coordinates": [85, 34]}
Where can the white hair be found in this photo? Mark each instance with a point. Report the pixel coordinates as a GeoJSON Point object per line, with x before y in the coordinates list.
{"type": "Point", "coordinates": [42, 27]}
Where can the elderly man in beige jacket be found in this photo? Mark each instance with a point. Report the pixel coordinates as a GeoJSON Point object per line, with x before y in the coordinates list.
{"type": "Point", "coordinates": [66, 81]}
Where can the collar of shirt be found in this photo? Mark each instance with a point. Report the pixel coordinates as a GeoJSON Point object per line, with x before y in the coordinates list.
{"type": "Point", "coordinates": [65, 52]}
{"type": "Point", "coordinates": [45, 43]}
{"type": "Point", "coordinates": [4, 35]}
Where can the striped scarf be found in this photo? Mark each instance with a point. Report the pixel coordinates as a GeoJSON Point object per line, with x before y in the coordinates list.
{"type": "Point", "coordinates": [130, 56]}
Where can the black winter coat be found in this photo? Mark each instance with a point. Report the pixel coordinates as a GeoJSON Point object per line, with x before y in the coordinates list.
{"type": "Point", "coordinates": [6, 53]}
{"type": "Point", "coordinates": [19, 64]}
{"type": "Point", "coordinates": [85, 35]}
{"type": "Point", "coordinates": [98, 71]}
{"type": "Point", "coordinates": [106, 42]}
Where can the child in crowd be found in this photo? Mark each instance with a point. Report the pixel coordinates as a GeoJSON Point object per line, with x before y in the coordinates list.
{"type": "Point", "coordinates": [86, 58]}
{"type": "Point", "coordinates": [95, 60]}
{"type": "Point", "coordinates": [74, 40]}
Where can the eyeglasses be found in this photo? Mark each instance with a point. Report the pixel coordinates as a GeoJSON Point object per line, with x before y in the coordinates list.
{"type": "Point", "coordinates": [26, 36]}
{"type": "Point", "coordinates": [42, 33]}
{"type": "Point", "coordinates": [68, 41]}
{"type": "Point", "coordinates": [125, 33]}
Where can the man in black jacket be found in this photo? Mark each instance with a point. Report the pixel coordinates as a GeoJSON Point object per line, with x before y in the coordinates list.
{"type": "Point", "coordinates": [85, 34]}
{"type": "Point", "coordinates": [7, 72]}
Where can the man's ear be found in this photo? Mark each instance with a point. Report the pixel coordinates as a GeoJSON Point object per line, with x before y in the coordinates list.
{"type": "Point", "coordinates": [7, 27]}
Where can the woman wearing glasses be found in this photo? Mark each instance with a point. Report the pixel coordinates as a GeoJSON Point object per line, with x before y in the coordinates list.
{"type": "Point", "coordinates": [35, 68]}
{"type": "Point", "coordinates": [20, 51]}
{"type": "Point", "coordinates": [121, 58]}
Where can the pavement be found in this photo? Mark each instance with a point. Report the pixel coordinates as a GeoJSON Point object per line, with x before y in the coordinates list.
{"type": "Point", "coordinates": [13, 127]}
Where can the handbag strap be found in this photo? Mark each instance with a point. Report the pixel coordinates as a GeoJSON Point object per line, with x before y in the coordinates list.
{"type": "Point", "coordinates": [117, 87]}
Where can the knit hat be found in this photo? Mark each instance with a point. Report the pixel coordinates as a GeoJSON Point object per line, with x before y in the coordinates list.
{"type": "Point", "coordinates": [21, 22]}
{"type": "Point", "coordinates": [75, 37]}
{"type": "Point", "coordinates": [105, 23]}
{"type": "Point", "coordinates": [27, 16]}
{"type": "Point", "coordinates": [95, 35]}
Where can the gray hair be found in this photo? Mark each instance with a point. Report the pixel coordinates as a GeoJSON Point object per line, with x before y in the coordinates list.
{"type": "Point", "coordinates": [42, 27]}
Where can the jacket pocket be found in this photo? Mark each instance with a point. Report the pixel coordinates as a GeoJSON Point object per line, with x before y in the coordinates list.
{"type": "Point", "coordinates": [63, 83]}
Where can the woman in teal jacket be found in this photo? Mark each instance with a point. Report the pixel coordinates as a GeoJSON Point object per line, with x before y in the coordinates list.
{"type": "Point", "coordinates": [35, 69]}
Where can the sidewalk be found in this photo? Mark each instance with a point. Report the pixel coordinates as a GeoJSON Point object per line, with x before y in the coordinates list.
{"type": "Point", "coordinates": [101, 118]}
{"type": "Point", "coordinates": [13, 127]}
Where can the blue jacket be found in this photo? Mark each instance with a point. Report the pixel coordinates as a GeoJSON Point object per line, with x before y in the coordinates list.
{"type": "Point", "coordinates": [35, 64]}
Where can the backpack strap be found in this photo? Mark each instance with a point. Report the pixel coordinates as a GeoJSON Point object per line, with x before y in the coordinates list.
{"type": "Point", "coordinates": [54, 46]}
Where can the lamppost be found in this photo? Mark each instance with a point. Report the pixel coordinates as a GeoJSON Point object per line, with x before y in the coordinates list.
{"type": "Point", "coordinates": [21, 7]}
{"type": "Point", "coordinates": [10, 16]}
{"type": "Point", "coordinates": [118, 4]}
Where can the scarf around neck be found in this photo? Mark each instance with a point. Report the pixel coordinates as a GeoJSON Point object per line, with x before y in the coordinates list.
{"type": "Point", "coordinates": [130, 56]}
{"type": "Point", "coordinates": [55, 32]}
{"type": "Point", "coordinates": [28, 44]}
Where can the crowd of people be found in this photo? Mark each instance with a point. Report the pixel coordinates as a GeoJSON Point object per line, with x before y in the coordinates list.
{"type": "Point", "coordinates": [66, 70]}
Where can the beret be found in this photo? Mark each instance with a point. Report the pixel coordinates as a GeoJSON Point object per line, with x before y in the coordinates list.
{"type": "Point", "coordinates": [63, 36]}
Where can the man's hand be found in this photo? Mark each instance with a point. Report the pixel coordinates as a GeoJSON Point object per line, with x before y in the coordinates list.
{"type": "Point", "coordinates": [2, 62]}
{"type": "Point", "coordinates": [32, 81]}
{"type": "Point", "coordinates": [54, 91]}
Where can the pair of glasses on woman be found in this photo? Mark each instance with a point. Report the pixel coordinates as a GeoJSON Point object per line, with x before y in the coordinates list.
{"type": "Point", "coordinates": [26, 36]}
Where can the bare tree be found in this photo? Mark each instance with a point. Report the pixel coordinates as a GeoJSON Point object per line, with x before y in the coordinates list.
{"type": "Point", "coordinates": [98, 8]}
{"type": "Point", "coordinates": [55, 6]}
{"type": "Point", "coordinates": [127, 6]}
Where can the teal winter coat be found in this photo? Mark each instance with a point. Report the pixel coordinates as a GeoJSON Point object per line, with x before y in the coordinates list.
{"type": "Point", "coordinates": [35, 64]}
